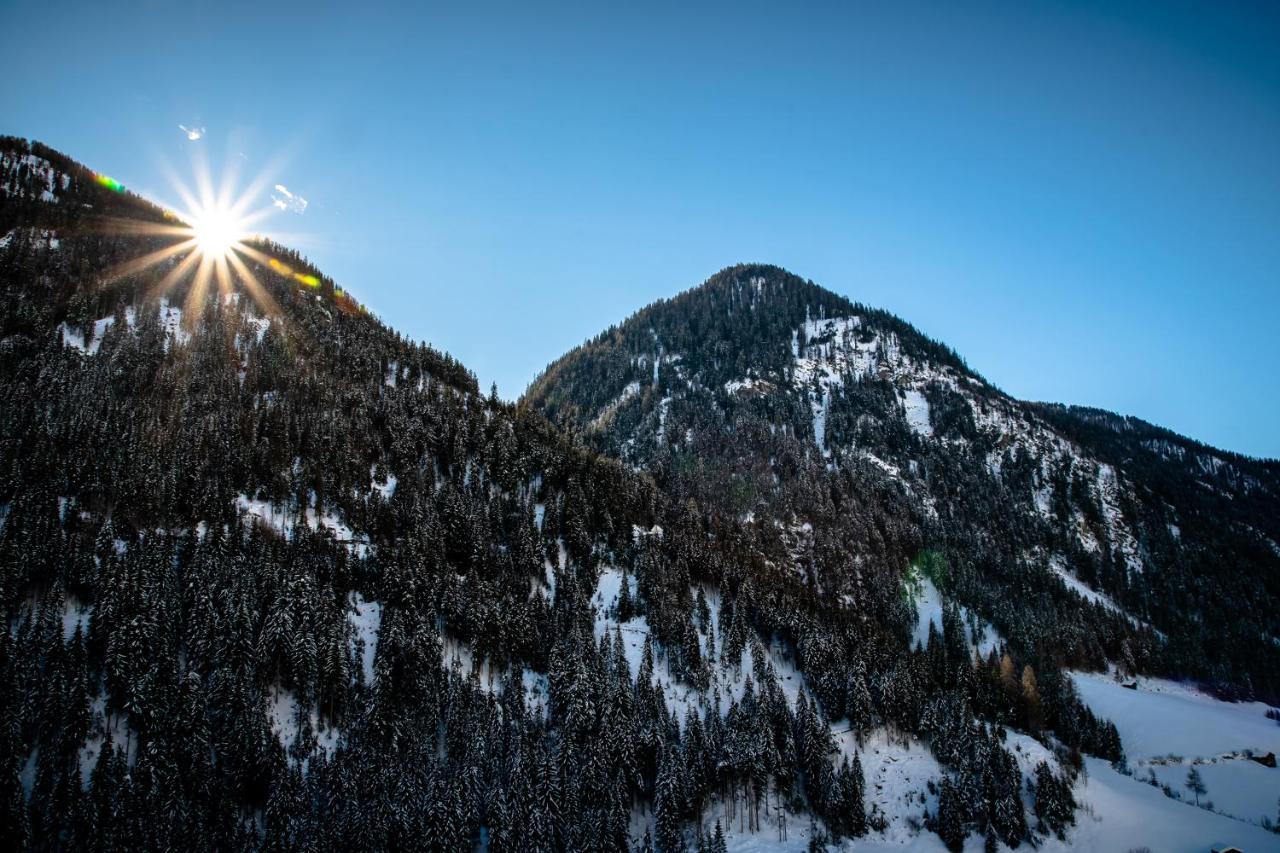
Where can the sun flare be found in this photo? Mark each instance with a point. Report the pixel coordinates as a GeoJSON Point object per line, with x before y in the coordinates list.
{"type": "Point", "coordinates": [216, 232]}
{"type": "Point", "coordinates": [212, 241]}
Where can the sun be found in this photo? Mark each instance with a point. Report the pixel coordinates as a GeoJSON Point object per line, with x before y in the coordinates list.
{"type": "Point", "coordinates": [211, 240]}
{"type": "Point", "coordinates": [217, 231]}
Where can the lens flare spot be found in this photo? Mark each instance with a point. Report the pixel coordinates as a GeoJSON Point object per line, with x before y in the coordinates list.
{"type": "Point", "coordinates": [108, 182]}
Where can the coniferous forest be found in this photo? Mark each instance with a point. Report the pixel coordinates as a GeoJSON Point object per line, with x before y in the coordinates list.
{"type": "Point", "coordinates": [276, 578]}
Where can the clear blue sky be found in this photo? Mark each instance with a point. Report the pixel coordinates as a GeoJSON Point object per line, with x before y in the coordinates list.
{"type": "Point", "coordinates": [1082, 199]}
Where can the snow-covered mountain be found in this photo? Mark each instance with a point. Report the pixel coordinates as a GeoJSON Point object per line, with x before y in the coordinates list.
{"type": "Point", "coordinates": [850, 442]}
{"type": "Point", "coordinates": [274, 577]}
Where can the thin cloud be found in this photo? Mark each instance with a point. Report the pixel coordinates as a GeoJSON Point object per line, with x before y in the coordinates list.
{"type": "Point", "coordinates": [285, 200]}
{"type": "Point", "coordinates": [193, 133]}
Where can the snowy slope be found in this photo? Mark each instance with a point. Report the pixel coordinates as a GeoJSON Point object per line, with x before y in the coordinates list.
{"type": "Point", "coordinates": [929, 601]}
{"type": "Point", "coordinates": [1163, 717]}
{"type": "Point", "coordinates": [1167, 728]}
{"type": "Point", "coordinates": [1123, 814]}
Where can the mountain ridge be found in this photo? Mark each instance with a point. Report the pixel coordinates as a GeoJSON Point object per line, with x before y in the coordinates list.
{"type": "Point", "coordinates": [757, 364]}
{"type": "Point", "coordinates": [273, 574]}
{"type": "Point", "coordinates": [727, 273]}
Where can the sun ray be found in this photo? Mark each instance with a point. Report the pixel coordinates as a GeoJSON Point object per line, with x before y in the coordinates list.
{"type": "Point", "coordinates": [185, 195]}
{"type": "Point", "coordinates": [138, 227]}
{"type": "Point", "coordinates": [148, 260]}
{"type": "Point", "coordinates": [174, 275]}
{"type": "Point", "coordinates": [193, 308]}
{"type": "Point", "coordinates": [214, 245]}
{"type": "Point", "coordinates": [259, 184]}
{"type": "Point", "coordinates": [222, 276]}
{"type": "Point", "coordinates": [282, 269]}
{"type": "Point", "coordinates": [227, 196]}
{"type": "Point", "coordinates": [204, 181]}
{"type": "Point", "coordinates": [247, 220]}
{"type": "Point", "coordinates": [260, 257]}
{"type": "Point", "coordinates": [296, 239]}
{"type": "Point", "coordinates": [257, 292]}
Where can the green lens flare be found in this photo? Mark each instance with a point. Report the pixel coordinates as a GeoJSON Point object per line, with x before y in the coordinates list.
{"type": "Point", "coordinates": [109, 182]}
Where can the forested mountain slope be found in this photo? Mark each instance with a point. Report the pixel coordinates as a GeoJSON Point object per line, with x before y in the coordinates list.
{"type": "Point", "coordinates": [276, 578]}
{"type": "Point", "coordinates": [847, 442]}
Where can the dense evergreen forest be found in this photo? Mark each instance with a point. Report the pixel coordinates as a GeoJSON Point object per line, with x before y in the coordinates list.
{"type": "Point", "coordinates": [283, 580]}
{"type": "Point", "coordinates": [841, 434]}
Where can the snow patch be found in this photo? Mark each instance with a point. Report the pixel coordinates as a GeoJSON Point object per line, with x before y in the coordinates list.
{"type": "Point", "coordinates": [733, 386]}
{"type": "Point", "coordinates": [259, 325]}
{"type": "Point", "coordinates": [1235, 785]}
{"type": "Point", "coordinates": [1121, 813]}
{"type": "Point", "coordinates": [917, 411]}
{"type": "Point", "coordinates": [897, 772]}
{"type": "Point", "coordinates": [171, 323]}
{"type": "Point", "coordinates": [75, 614]}
{"type": "Point", "coordinates": [386, 487]}
{"type": "Point", "coordinates": [283, 521]}
{"type": "Point", "coordinates": [606, 414]}
{"type": "Point", "coordinates": [820, 403]}
{"type": "Point", "coordinates": [1059, 567]}
{"type": "Point", "coordinates": [74, 338]}
{"type": "Point", "coordinates": [285, 716]}
{"type": "Point", "coordinates": [929, 601]}
{"type": "Point", "coordinates": [1124, 543]}
{"type": "Point", "coordinates": [366, 620]}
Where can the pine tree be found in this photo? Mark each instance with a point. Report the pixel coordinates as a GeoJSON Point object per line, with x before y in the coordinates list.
{"type": "Point", "coordinates": [949, 823]}
{"type": "Point", "coordinates": [668, 805]}
{"type": "Point", "coordinates": [625, 608]}
{"type": "Point", "coordinates": [1195, 783]}
{"type": "Point", "coordinates": [1054, 802]}
{"type": "Point", "coordinates": [718, 844]}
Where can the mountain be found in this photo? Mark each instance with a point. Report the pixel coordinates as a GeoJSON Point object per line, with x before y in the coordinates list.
{"type": "Point", "coordinates": [849, 442]}
{"type": "Point", "coordinates": [276, 578]}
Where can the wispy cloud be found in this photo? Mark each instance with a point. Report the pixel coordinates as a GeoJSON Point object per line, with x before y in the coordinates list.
{"type": "Point", "coordinates": [289, 201]}
{"type": "Point", "coordinates": [193, 133]}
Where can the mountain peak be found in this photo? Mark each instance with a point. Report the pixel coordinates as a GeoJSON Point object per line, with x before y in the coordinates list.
{"type": "Point", "coordinates": [745, 322]}
{"type": "Point", "coordinates": [769, 397]}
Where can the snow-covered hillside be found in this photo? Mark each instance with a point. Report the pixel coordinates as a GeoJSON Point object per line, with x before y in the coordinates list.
{"type": "Point", "coordinates": [284, 573]}
{"type": "Point", "coordinates": [1167, 728]}
{"type": "Point", "coordinates": [1120, 811]}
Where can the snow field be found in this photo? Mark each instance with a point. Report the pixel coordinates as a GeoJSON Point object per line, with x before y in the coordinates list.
{"type": "Point", "coordinates": [1166, 727]}
{"type": "Point", "coordinates": [1163, 717]}
{"type": "Point", "coordinates": [916, 408]}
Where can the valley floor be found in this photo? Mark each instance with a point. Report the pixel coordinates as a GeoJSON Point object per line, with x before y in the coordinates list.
{"type": "Point", "coordinates": [1166, 728]}
{"type": "Point", "coordinates": [1119, 814]}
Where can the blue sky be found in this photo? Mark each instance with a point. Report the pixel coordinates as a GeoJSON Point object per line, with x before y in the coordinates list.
{"type": "Point", "coordinates": [1083, 199]}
